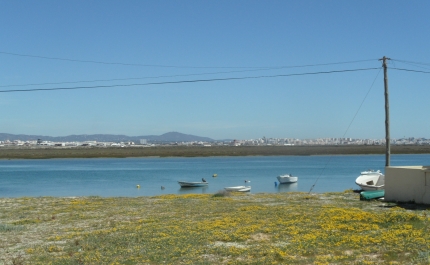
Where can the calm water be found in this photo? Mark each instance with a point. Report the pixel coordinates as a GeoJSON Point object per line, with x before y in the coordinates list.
{"type": "Point", "coordinates": [119, 177]}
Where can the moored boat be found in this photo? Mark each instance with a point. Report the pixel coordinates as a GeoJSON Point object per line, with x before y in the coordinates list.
{"type": "Point", "coordinates": [287, 178]}
{"type": "Point", "coordinates": [238, 188]}
{"type": "Point", "coordinates": [371, 181]}
{"type": "Point", "coordinates": [372, 194]}
{"type": "Point", "coordinates": [193, 183]}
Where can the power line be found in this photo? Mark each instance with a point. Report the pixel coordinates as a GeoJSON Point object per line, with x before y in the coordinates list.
{"type": "Point", "coordinates": [110, 63]}
{"type": "Point", "coordinates": [409, 70]}
{"type": "Point", "coordinates": [419, 65]}
{"type": "Point", "coordinates": [150, 77]}
{"type": "Point", "coordinates": [347, 129]}
{"type": "Point", "coordinates": [404, 61]}
{"type": "Point", "coordinates": [166, 66]}
{"type": "Point", "coordinates": [137, 78]}
{"type": "Point", "coordinates": [185, 81]}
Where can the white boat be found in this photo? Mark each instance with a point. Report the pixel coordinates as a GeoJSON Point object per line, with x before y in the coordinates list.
{"type": "Point", "coordinates": [371, 180]}
{"type": "Point", "coordinates": [287, 178]}
{"type": "Point", "coordinates": [193, 184]}
{"type": "Point", "coordinates": [238, 188]}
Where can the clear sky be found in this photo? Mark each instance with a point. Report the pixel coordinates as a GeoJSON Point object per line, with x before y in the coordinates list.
{"type": "Point", "coordinates": [60, 44]}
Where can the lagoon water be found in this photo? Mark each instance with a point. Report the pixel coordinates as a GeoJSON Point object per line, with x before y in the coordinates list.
{"type": "Point", "coordinates": [108, 177]}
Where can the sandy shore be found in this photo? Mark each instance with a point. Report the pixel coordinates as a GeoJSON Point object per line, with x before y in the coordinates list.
{"type": "Point", "coordinates": [200, 151]}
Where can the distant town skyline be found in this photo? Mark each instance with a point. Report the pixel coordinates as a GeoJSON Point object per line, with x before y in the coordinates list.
{"type": "Point", "coordinates": [220, 69]}
{"type": "Point", "coordinates": [188, 138]}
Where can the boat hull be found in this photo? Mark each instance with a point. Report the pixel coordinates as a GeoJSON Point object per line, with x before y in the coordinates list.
{"type": "Point", "coordinates": [371, 188]}
{"type": "Point", "coordinates": [192, 184]}
{"type": "Point", "coordinates": [369, 195]}
{"type": "Point", "coordinates": [238, 188]}
{"type": "Point", "coordinates": [370, 182]}
{"type": "Point", "coordinates": [283, 179]}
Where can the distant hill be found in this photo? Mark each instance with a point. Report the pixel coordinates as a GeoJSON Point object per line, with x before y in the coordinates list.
{"type": "Point", "coordinates": [167, 137]}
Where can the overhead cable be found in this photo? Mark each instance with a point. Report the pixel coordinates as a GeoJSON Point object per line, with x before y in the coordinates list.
{"type": "Point", "coordinates": [171, 66]}
{"type": "Point", "coordinates": [409, 70]}
{"type": "Point", "coordinates": [404, 61]}
{"type": "Point", "coordinates": [153, 77]}
{"type": "Point", "coordinates": [347, 129]}
{"type": "Point", "coordinates": [186, 81]}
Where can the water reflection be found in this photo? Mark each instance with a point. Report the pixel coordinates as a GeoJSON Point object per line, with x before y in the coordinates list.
{"type": "Point", "coordinates": [185, 190]}
{"type": "Point", "coordinates": [287, 187]}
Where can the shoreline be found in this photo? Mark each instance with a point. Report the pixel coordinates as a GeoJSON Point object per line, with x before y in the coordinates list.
{"type": "Point", "coordinates": [201, 151]}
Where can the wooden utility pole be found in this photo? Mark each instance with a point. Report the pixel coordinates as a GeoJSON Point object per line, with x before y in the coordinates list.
{"type": "Point", "coordinates": [387, 113]}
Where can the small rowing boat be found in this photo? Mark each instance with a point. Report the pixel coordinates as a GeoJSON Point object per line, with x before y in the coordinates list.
{"type": "Point", "coordinates": [193, 184]}
{"type": "Point", "coordinates": [238, 188]}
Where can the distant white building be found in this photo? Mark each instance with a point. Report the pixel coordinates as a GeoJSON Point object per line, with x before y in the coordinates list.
{"type": "Point", "coordinates": [143, 141]}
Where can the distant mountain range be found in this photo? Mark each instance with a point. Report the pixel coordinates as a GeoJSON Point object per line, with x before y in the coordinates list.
{"type": "Point", "coordinates": [167, 137]}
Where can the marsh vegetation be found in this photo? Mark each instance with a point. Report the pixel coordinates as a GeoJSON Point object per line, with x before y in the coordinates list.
{"type": "Point", "coordinates": [201, 151]}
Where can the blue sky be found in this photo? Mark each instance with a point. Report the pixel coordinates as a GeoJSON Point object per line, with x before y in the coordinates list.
{"type": "Point", "coordinates": [141, 42]}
